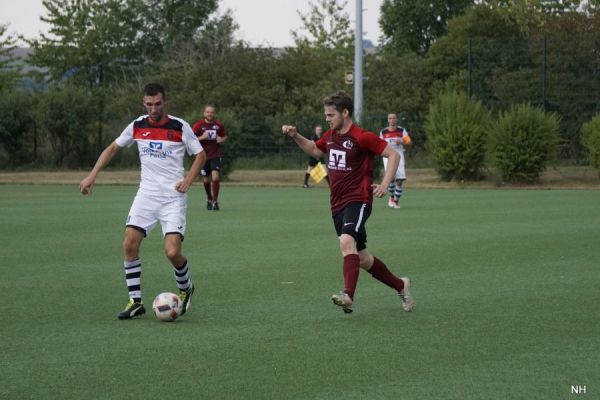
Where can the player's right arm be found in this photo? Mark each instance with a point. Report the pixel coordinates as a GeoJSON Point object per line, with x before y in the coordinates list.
{"type": "Point", "coordinates": [87, 184]}
{"type": "Point", "coordinates": [305, 144]}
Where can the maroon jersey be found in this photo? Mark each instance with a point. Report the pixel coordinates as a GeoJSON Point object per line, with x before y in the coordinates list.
{"type": "Point", "coordinates": [350, 165]}
{"type": "Point", "coordinates": [214, 129]}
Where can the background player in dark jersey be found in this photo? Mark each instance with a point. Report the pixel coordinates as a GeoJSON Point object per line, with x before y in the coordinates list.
{"type": "Point", "coordinates": [211, 134]}
{"type": "Point", "coordinates": [350, 151]}
{"type": "Point", "coordinates": [312, 162]}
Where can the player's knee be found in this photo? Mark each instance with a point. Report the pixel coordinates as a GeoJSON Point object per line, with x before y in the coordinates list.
{"type": "Point", "coordinates": [173, 253]}
{"type": "Point", "coordinates": [347, 244]}
{"type": "Point", "coordinates": [131, 247]}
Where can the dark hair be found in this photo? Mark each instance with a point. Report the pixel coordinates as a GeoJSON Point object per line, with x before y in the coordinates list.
{"type": "Point", "coordinates": [341, 101]}
{"type": "Point", "coordinates": [152, 89]}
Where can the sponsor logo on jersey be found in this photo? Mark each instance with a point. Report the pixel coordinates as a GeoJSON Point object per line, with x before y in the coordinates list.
{"type": "Point", "coordinates": [155, 150]}
{"type": "Point", "coordinates": [337, 160]}
{"type": "Point", "coordinates": [212, 134]}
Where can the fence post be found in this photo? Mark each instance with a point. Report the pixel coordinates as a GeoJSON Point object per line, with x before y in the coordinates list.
{"type": "Point", "coordinates": [469, 70]}
{"type": "Point", "coordinates": [544, 72]}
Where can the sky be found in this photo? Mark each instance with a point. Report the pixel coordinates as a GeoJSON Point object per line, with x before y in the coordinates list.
{"type": "Point", "coordinates": [264, 23]}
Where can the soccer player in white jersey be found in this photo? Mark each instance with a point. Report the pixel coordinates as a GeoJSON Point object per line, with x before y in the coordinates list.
{"type": "Point", "coordinates": [162, 141]}
{"type": "Point", "coordinates": [398, 139]}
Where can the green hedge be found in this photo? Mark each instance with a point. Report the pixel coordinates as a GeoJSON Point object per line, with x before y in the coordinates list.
{"type": "Point", "coordinates": [522, 142]}
{"type": "Point", "coordinates": [457, 133]}
{"type": "Point", "coordinates": [590, 138]}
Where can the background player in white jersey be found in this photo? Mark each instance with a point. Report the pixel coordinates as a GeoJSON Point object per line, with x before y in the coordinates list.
{"type": "Point", "coordinates": [398, 139]}
{"type": "Point", "coordinates": [162, 141]}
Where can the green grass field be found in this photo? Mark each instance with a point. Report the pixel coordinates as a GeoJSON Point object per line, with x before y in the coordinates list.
{"type": "Point", "coordinates": [506, 283]}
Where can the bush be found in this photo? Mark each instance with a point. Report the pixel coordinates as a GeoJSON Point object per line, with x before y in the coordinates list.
{"type": "Point", "coordinates": [590, 138]}
{"type": "Point", "coordinates": [67, 115]}
{"type": "Point", "coordinates": [456, 136]}
{"type": "Point", "coordinates": [15, 123]}
{"type": "Point", "coordinates": [522, 141]}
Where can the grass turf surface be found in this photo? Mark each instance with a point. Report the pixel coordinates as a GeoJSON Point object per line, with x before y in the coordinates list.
{"type": "Point", "coordinates": [506, 287]}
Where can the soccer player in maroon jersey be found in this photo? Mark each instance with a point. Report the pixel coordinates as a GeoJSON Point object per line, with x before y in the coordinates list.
{"type": "Point", "coordinates": [349, 151]}
{"type": "Point", "coordinates": [211, 134]}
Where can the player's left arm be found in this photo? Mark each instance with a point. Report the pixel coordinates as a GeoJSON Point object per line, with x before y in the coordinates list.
{"type": "Point", "coordinates": [184, 185]}
{"type": "Point", "coordinates": [393, 161]}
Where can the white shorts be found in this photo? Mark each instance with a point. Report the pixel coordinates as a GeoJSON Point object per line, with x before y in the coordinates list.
{"type": "Point", "coordinates": [400, 172]}
{"type": "Point", "coordinates": [147, 210]}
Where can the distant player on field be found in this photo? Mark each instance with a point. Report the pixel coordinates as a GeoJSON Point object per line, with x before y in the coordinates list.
{"type": "Point", "coordinates": [211, 134]}
{"type": "Point", "coordinates": [398, 139]}
{"type": "Point", "coordinates": [350, 150]}
{"type": "Point", "coordinates": [162, 141]}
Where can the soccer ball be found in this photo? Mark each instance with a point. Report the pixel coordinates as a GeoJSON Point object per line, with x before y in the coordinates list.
{"type": "Point", "coordinates": [167, 306]}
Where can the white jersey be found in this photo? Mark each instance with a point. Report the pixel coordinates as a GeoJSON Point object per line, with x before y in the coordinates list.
{"type": "Point", "coordinates": [161, 148]}
{"type": "Point", "coordinates": [394, 140]}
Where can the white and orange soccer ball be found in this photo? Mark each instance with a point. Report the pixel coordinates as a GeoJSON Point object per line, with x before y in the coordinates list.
{"type": "Point", "coordinates": [167, 306]}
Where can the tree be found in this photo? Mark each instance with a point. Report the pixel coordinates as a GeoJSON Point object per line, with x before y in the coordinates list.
{"type": "Point", "coordinates": [494, 43]}
{"type": "Point", "coordinates": [15, 123]}
{"type": "Point", "coordinates": [65, 114]}
{"type": "Point", "coordinates": [553, 65]}
{"type": "Point", "coordinates": [216, 37]}
{"type": "Point", "coordinates": [531, 15]}
{"type": "Point", "coordinates": [91, 42]}
{"type": "Point", "coordinates": [101, 42]}
{"type": "Point", "coordinates": [572, 60]}
{"type": "Point", "coordinates": [167, 24]}
{"type": "Point", "coordinates": [316, 65]}
{"type": "Point", "coordinates": [9, 71]}
{"type": "Point", "coordinates": [414, 25]}
{"type": "Point", "coordinates": [399, 84]}
{"type": "Point", "coordinates": [327, 26]}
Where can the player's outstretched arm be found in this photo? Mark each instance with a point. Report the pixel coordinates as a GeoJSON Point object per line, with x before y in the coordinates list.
{"type": "Point", "coordinates": [305, 144]}
{"type": "Point", "coordinates": [87, 184]}
{"type": "Point", "coordinates": [393, 161]}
